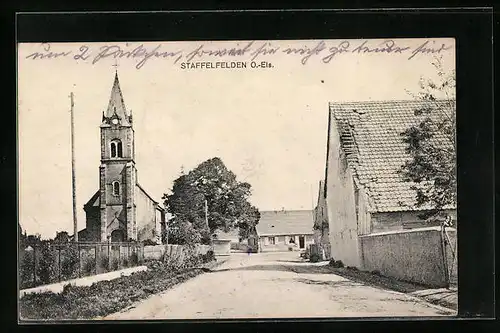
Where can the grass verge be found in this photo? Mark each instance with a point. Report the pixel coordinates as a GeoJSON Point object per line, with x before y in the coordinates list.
{"type": "Point", "coordinates": [106, 297]}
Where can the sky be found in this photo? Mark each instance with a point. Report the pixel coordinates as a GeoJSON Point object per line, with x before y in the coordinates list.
{"type": "Point", "coordinates": [268, 125]}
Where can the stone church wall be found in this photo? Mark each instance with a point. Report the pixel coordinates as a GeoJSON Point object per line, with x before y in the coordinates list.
{"type": "Point", "coordinates": [145, 217]}
{"type": "Point", "coordinates": [124, 135]}
{"type": "Point", "coordinates": [115, 172]}
{"type": "Point", "coordinates": [93, 225]}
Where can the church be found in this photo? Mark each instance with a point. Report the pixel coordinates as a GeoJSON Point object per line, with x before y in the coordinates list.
{"type": "Point", "coordinates": [121, 210]}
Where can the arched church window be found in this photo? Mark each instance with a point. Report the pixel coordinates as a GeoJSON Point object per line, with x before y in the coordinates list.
{"type": "Point", "coordinates": [120, 150]}
{"type": "Point", "coordinates": [116, 188]}
{"type": "Point", "coordinates": [113, 149]}
{"type": "Point", "coordinates": [116, 148]}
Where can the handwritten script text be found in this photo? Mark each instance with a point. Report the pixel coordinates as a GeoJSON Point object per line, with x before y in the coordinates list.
{"type": "Point", "coordinates": [323, 51]}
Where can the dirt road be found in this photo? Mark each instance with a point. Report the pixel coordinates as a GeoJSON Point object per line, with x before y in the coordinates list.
{"type": "Point", "coordinates": [275, 285]}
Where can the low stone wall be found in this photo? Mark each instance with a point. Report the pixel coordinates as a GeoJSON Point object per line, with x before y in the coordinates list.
{"type": "Point", "coordinates": [411, 255]}
{"type": "Point", "coordinates": [222, 247]}
{"type": "Point", "coordinates": [282, 247]}
{"type": "Point", "coordinates": [156, 252]}
{"type": "Point", "coordinates": [242, 247]}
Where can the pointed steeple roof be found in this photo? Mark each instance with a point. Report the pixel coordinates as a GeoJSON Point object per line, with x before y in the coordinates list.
{"type": "Point", "coordinates": [116, 104]}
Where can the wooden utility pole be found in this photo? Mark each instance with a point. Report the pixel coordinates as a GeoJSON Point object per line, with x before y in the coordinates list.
{"type": "Point", "coordinates": [75, 227]}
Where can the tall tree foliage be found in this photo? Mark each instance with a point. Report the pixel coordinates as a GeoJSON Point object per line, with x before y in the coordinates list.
{"type": "Point", "coordinates": [431, 144]}
{"type": "Point", "coordinates": [226, 198]}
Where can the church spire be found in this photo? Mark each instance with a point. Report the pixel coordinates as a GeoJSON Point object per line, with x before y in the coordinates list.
{"type": "Point", "coordinates": [116, 105]}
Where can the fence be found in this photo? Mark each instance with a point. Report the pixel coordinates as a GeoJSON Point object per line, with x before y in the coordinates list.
{"type": "Point", "coordinates": [418, 255]}
{"type": "Point", "coordinates": [156, 252]}
{"type": "Point", "coordinates": [54, 262]}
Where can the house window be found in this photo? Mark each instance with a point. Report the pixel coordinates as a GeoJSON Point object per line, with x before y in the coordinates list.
{"type": "Point", "coordinates": [116, 188]}
{"type": "Point", "coordinates": [116, 148]}
{"type": "Point", "coordinates": [272, 240]}
{"type": "Point", "coordinates": [292, 240]}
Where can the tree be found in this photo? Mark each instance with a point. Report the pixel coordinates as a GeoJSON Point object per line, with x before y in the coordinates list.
{"type": "Point", "coordinates": [22, 237]}
{"type": "Point", "coordinates": [33, 240]}
{"type": "Point", "coordinates": [226, 200]}
{"type": "Point", "coordinates": [183, 232]}
{"type": "Point", "coordinates": [431, 144]}
{"type": "Point", "coordinates": [61, 237]}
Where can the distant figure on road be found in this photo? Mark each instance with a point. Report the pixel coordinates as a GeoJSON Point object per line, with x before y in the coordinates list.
{"type": "Point", "coordinates": [249, 250]}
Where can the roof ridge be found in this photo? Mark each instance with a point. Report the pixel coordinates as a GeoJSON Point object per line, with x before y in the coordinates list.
{"type": "Point", "coordinates": [388, 101]}
{"type": "Point", "coordinates": [284, 211]}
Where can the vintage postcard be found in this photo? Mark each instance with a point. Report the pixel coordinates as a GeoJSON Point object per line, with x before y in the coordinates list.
{"type": "Point", "coordinates": [237, 179]}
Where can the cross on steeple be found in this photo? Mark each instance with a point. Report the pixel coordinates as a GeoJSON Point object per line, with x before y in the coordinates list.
{"type": "Point", "coordinates": [115, 66]}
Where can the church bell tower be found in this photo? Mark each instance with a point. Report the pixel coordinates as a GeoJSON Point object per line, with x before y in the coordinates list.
{"type": "Point", "coordinates": [118, 175]}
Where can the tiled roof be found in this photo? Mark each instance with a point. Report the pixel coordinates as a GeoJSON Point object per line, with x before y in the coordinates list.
{"type": "Point", "coordinates": [370, 136]}
{"type": "Point", "coordinates": [147, 194]}
{"type": "Point", "coordinates": [291, 222]}
{"type": "Point", "coordinates": [94, 200]}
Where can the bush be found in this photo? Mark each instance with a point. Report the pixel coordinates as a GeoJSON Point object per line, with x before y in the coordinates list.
{"type": "Point", "coordinates": [376, 272]}
{"type": "Point", "coordinates": [193, 261]}
{"type": "Point", "coordinates": [88, 265]}
{"type": "Point", "coordinates": [26, 269]}
{"type": "Point", "coordinates": [148, 242]}
{"type": "Point", "coordinates": [209, 256]}
{"type": "Point", "coordinates": [184, 234]}
{"type": "Point", "coordinates": [307, 254]}
{"type": "Point", "coordinates": [104, 262]}
{"type": "Point", "coordinates": [172, 263]}
{"type": "Point", "coordinates": [69, 262]}
{"type": "Point", "coordinates": [46, 270]}
{"type": "Point", "coordinates": [336, 263]}
{"type": "Point", "coordinates": [125, 262]}
{"type": "Point", "coordinates": [134, 259]}
{"type": "Point", "coordinates": [66, 289]}
{"type": "Point", "coordinates": [115, 264]}
{"type": "Point", "coordinates": [315, 257]}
